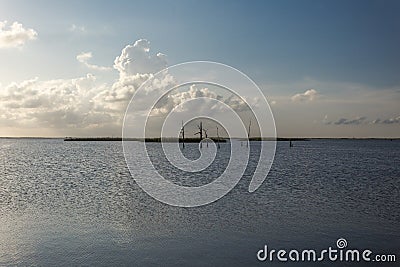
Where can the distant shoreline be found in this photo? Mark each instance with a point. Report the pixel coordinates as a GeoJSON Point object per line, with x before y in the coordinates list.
{"type": "Point", "coordinates": [193, 140]}
{"type": "Point", "coordinates": [155, 140]}
{"type": "Point", "coordinates": [223, 140]}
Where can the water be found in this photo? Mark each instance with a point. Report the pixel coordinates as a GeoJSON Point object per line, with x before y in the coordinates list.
{"type": "Point", "coordinates": [75, 203]}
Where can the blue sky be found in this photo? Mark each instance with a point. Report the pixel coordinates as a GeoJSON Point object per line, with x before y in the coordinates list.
{"type": "Point", "coordinates": [287, 47]}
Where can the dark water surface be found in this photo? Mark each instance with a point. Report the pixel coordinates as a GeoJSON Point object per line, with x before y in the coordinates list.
{"type": "Point", "coordinates": [75, 203]}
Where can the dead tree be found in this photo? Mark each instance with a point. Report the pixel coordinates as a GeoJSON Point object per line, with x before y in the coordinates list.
{"type": "Point", "coordinates": [205, 133]}
{"type": "Point", "coordinates": [200, 132]}
{"type": "Point", "coordinates": [183, 135]}
{"type": "Point", "coordinates": [218, 137]}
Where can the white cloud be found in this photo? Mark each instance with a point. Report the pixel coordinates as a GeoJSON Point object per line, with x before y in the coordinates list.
{"type": "Point", "coordinates": [172, 100]}
{"type": "Point", "coordinates": [61, 104]}
{"type": "Point", "coordinates": [135, 66]}
{"type": "Point", "coordinates": [308, 95]}
{"type": "Point", "coordinates": [15, 35]}
{"type": "Point", "coordinates": [84, 59]}
{"type": "Point", "coordinates": [82, 104]}
{"type": "Point", "coordinates": [203, 104]}
{"type": "Point", "coordinates": [136, 59]}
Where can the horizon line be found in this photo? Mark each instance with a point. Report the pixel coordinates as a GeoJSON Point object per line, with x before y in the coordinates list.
{"type": "Point", "coordinates": [255, 137]}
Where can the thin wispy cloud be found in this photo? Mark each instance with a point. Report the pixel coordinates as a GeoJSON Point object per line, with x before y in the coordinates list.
{"type": "Point", "coordinates": [15, 35]}
{"type": "Point", "coordinates": [84, 59]}
{"type": "Point", "coordinates": [355, 121]}
{"type": "Point", "coordinates": [393, 120]}
{"type": "Point", "coordinates": [361, 120]}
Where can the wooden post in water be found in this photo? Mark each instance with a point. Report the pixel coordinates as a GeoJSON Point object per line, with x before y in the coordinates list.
{"type": "Point", "coordinates": [183, 135]}
{"type": "Point", "coordinates": [248, 134]}
{"type": "Point", "coordinates": [205, 132]}
{"type": "Point", "coordinates": [218, 137]}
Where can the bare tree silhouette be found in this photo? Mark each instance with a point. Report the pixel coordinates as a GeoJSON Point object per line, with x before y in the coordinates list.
{"type": "Point", "coordinates": [248, 134]}
{"type": "Point", "coordinates": [200, 132]}
{"type": "Point", "coordinates": [183, 135]}
{"type": "Point", "coordinates": [205, 132]}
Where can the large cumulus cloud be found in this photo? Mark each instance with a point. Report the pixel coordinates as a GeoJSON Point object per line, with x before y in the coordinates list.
{"type": "Point", "coordinates": [82, 103]}
{"type": "Point", "coordinates": [137, 59]}
{"type": "Point", "coordinates": [54, 103]}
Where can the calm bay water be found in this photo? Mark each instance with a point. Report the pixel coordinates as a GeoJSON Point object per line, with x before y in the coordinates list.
{"type": "Point", "coordinates": [75, 203]}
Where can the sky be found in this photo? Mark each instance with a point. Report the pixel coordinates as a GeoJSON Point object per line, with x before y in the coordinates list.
{"type": "Point", "coordinates": [327, 68]}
